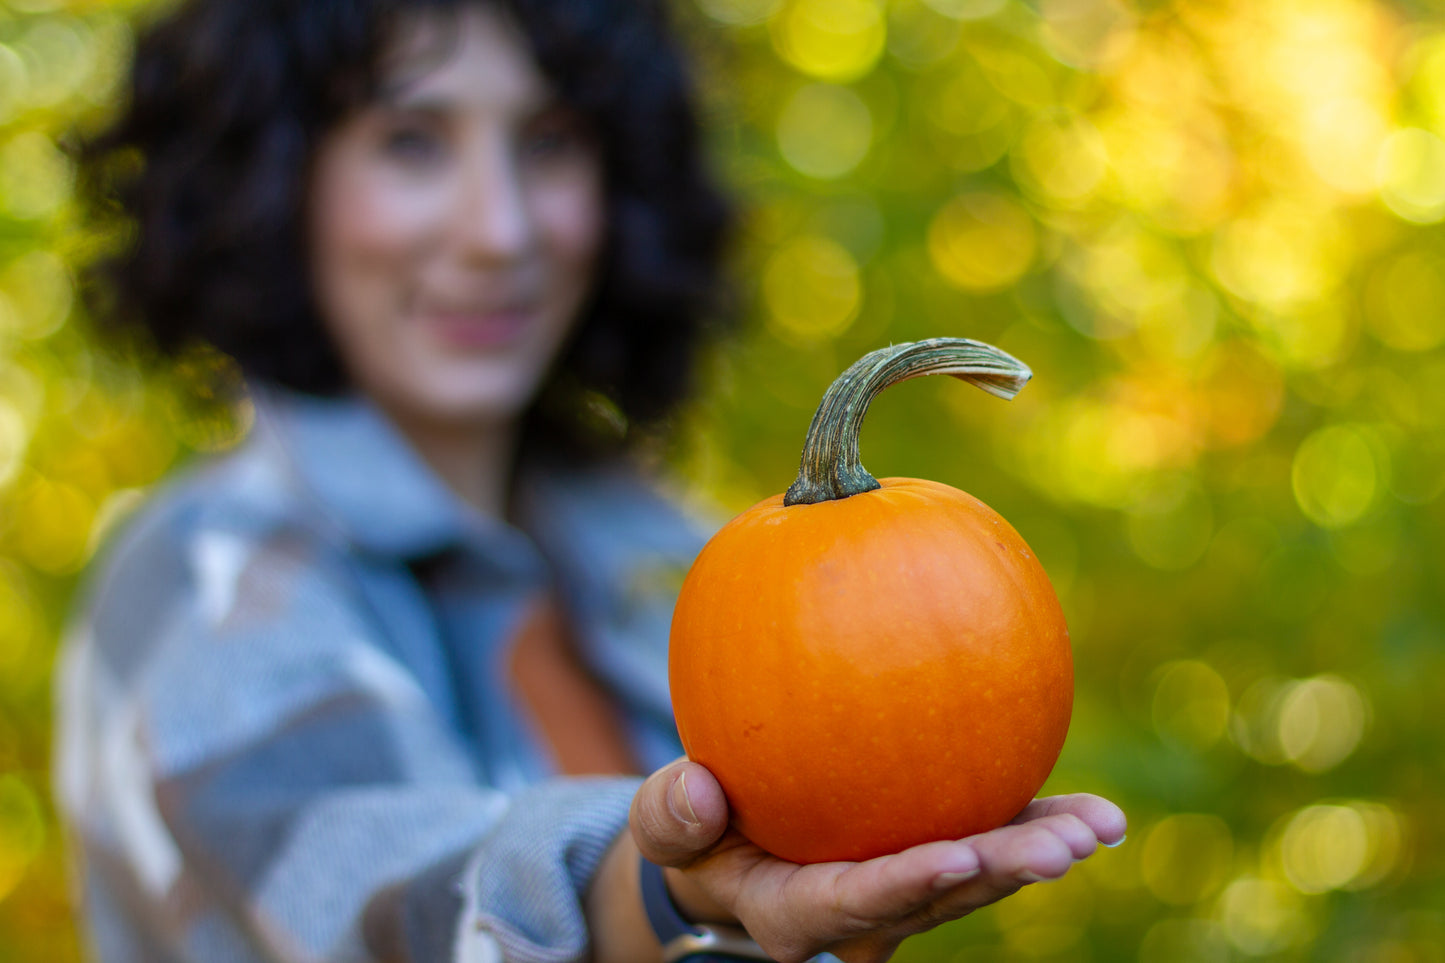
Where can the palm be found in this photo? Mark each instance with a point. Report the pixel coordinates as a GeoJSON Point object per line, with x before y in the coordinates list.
{"type": "Point", "coordinates": [861, 911]}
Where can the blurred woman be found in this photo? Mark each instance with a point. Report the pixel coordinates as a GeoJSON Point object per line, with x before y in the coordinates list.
{"type": "Point", "coordinates": [382, 683]}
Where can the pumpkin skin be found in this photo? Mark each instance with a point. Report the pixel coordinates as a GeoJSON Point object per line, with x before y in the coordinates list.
{"type": "Point", "coordinates": [871, 673]}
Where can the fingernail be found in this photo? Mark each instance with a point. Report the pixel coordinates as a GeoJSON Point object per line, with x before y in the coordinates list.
{"type": "Point", "coordinates": [949, 880]}
{"type": "Point", "coordinates": [679, 803]}
{"type": "Point", "coordinates": [1115, 844]}
{"type": "Point", "coordinates": [1028, 876]}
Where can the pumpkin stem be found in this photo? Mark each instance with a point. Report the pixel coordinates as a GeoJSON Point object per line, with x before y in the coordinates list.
{"type": "Point", "coordinates": [830, 468]}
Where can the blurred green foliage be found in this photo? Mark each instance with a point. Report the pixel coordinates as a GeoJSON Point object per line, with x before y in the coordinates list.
{"type": "Point", "coordinates": [1212, 229]}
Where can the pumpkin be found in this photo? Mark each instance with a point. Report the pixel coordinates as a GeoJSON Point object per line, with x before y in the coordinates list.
{"type": "Point", "coordinates": [869, 665]}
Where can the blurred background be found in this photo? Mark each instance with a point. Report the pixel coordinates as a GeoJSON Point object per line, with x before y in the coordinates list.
{"type": "Point", "coordinates": [1213, 230]}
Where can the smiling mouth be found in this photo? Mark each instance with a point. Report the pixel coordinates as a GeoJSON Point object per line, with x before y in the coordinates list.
{"type": "Point", "coordinates": [478, 330]}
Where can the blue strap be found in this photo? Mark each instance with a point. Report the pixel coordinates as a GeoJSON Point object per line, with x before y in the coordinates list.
{"type": "Point", "coordinates": [684, 941]}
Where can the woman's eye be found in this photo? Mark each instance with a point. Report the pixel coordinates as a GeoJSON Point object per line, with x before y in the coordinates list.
{"type": "Point", "coordinates": [541, 145]}
{"type": "Point", "coordinates": [412, 145]}
{"type": "Point", "coordinates": [554, 140]}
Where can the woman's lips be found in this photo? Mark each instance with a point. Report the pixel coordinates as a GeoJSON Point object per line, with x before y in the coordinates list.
{"type": "Point", "coordinates": [466, 330]}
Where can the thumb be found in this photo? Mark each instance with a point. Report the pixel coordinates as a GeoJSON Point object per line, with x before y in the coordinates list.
{"type": "Point", "coordinates": [678, 814]}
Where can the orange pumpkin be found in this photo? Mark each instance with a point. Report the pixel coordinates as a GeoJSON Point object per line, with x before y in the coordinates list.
{"type": "Point", "coordinates": [868, 666]}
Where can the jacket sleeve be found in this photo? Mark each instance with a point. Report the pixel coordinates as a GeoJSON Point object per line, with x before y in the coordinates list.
{"type": "Point", "coordinates": [254, 775]}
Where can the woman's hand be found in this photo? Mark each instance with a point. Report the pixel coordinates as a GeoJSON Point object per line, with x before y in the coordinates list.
{"type": "Point", "coordinates": [858, 911]}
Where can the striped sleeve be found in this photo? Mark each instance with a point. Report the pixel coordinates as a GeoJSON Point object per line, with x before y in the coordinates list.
{"type": "Point", "coordinates": [256, 776]}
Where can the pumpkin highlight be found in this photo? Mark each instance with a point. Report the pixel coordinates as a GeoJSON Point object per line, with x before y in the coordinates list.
{"type": "Point", "coordinates": [873, 670]}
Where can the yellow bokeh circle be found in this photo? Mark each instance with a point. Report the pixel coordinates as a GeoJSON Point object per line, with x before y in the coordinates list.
{"type": "Point", "coordinates": [53, 530]}
{"type": "Point", "coordinates": [1280, 256]}
{"type": "Point", "coordinates": [967, 9]}
{"type": "Point", "coordinates": [1191, 704]}
{"type": "Point", "coordinates": [830, 39]}
{"type": "Point", "coordinates": [1172, 939]}
{"type": "Point", "coordinates": [1321, 721]}
{"type": "Point", "coordinates": [739, 12]}
{"type": "Point", "coordinates": [1061, 160]}
{"type": "Point", "coordinates": [1410, 173]}
{"type": "Point", "coordinates": [35, 176]}
{"type": "Point", "coordinates": [40, 293]}
{"type": "Point", "coordinates": [1262, 917]}
{"type": "Point", "coordinates": [1405, 302]}
{"type": "Point", "coordinates": [1336, 475]}
{"type": "Point", "coordinates": [812, 290]}
{"type": "Point", "coordinates": [824, 130]}
{"type": "Point", "coordinates": [14, 439]}
{"type": "Point", "coordinates": [982, 242]}
{"type": "Point", "coordinates": [1187, 857]}
{"type": "Point", "coordinates": [1324, 847]}
{"type": "Point", "coordinates": [1344, 845]}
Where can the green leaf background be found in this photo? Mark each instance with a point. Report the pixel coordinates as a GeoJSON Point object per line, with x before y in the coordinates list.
{"type": "Point", "coordinates": [1212, 227]}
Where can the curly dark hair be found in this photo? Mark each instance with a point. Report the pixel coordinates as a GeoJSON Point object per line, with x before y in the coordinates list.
{"type": "Point", "coordinates": [207, 167]}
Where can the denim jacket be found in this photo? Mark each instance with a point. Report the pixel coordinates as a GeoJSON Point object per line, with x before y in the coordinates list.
{"type": "Point", "coordinates": [284, 732]}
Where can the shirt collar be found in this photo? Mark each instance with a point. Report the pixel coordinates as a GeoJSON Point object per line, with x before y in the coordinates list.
{"type": "Point", "coordinates": [369, 481]}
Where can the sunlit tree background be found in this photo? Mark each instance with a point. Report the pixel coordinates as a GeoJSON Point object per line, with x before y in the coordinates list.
{"type": "Point", "coordinates": [1212, 229]}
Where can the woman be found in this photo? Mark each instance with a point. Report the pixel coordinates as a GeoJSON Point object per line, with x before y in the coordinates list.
{"type": "Point", "coordinates": [364, 688]}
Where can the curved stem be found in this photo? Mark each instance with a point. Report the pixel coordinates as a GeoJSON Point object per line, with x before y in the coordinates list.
{"type": "Point", "coordinates": [830, 467]}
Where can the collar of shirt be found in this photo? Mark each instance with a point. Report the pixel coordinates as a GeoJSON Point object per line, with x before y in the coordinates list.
{"type": "Point", "coordinates": [373, 487]}
{"type": "Point", "coordinates": [614, 548]}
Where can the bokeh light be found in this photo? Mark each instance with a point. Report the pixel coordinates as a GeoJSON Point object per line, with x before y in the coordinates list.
{"type": "Point", "coordinates": [1060, 160]}
{"type": "Point", "coordinates": [38, 292]}
{"type": "Point", "coordinates": [14, 436]}
{"type": "Point", "coordinates": [1347, 845]}
{"type": "Point", "coordinates": [1411, 175]}
{"type": "Point", "coordinates": [919, 36]}
{"type": "Point", "coordinates": [830, 39]}
{"type": "Point", "coordinates": [824, 130]}
{"type": "Point", "coordinates": [34, 176]}
{"type": "Point", "coordinates": [740, 12]}
{"type": "Point", "coordinates": [981, 241]}
{"type": "Point", "coordinates": [1187, 857]}
{"type": "Point", "coordinates": [1191, 703]}
{"type": "Point", "coordinates": [967, 9]}
{"type": "Point", "coordinates": [1405, 301]}
{"type": "Point", "coordinates": [1263, 917]}
{"type": "Point", "coordinates": [812, 289]}
{"type": "Point", "coordinates": [968, 126]}
{"type": "Point", "coordinates": [1321, 721]}
{"type": "Point", "coordinates": [1048, 920]}
{"type": "Point", "coordinates": [1313, 723]}
{"type": "Point", "coordinates": [1212, 230]}
{"type": "Point", "coordinates": [1185, 940]}
{"type": "Point", "coordinates": [1337, 475]}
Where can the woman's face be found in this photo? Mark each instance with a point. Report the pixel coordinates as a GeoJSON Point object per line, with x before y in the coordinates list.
{"type": "Point", "coordinates": [454, 225]}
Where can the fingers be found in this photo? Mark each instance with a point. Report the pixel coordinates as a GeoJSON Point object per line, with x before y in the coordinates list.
{"type": "Point", "coordinates": [1044, 848]}
{"type": "Point", "coordinates": [678, 813]}
{"type": "Point", "coordinates": [891, 887]}
{"type": "Point", "coordinates": [1068, 829]}
{"type": "Point", "coordinates": [1104, 819]}
{"type": "Point", "coordinates": [1046, 839]}
{"type": "Point", "coordinates": [875, 904]}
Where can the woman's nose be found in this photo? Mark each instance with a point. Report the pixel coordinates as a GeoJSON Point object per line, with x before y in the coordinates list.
{"type": "Point", "coordinates": [493, 218]}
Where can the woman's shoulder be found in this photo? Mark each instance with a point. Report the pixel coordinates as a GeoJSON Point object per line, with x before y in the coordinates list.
{"type": "Point", "coordinates": [323, 471]}
{"type": "Point", "coordinates": [211, 514]}
{"type": "Point", "coordinates": [243, 492]}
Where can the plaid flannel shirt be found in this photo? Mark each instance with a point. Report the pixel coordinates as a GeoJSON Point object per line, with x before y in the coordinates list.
{"type": "Point", "coordinates": [285, 732]}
